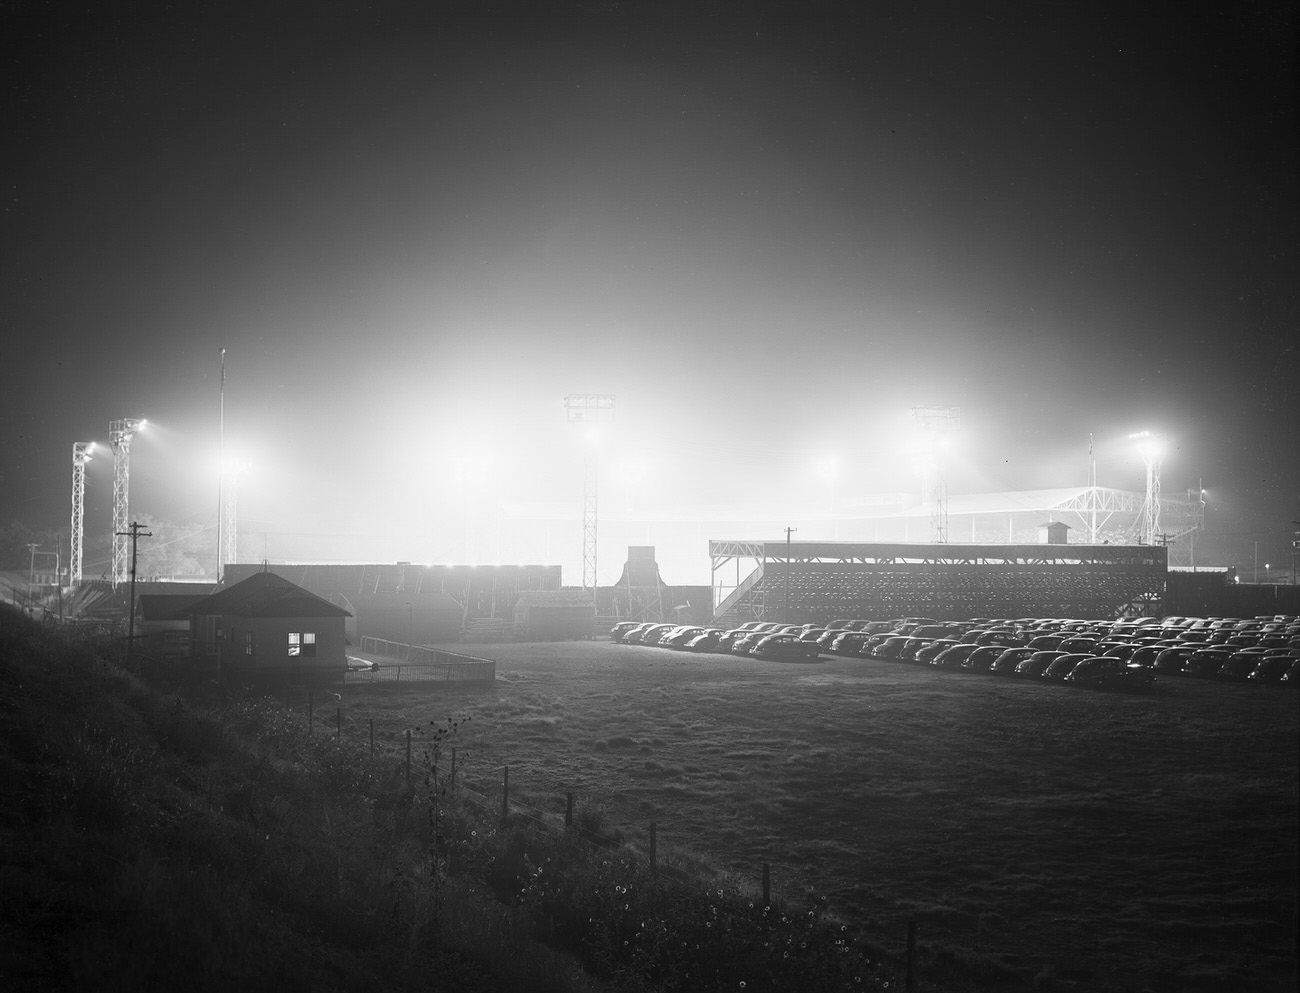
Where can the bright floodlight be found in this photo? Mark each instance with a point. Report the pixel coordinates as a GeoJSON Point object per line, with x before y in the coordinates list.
{"type": "Point", "coordinates": [1150, 446]}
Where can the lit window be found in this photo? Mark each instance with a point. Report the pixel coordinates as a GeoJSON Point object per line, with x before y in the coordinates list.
{"type": "Point", "coordinates": [248, 643]}
{"type": "Point", "coordinates": [302, 643]}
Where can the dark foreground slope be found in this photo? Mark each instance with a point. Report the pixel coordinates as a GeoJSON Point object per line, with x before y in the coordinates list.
{"type": "Point", "coordinates": [186, 839]}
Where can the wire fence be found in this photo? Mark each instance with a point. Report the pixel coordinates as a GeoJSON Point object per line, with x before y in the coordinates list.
{"type": "Point", "coordinates": [499, 799]}
{"type": "Point", "coordinates": [496, 798]}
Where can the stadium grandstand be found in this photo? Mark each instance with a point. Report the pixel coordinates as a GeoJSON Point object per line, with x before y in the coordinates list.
{"type": "Point", "coordinates": [819, 581]}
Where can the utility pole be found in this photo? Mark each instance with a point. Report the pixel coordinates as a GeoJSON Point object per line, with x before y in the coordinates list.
{"type": "Point", "coordinates": [31, 573]}
{"type": "Point", "coordinates": [785, 616]}
{"type": "Point", "coordinates": [135, 534]}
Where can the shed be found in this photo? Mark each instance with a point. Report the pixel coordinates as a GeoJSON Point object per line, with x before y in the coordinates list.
{"type": "Point", "coordinates": [1054, 533]}
{"type": "Point", "coordinates": [267, 626]}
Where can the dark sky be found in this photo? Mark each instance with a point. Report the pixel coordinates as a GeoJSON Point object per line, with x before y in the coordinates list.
{"type": "Point", "coordinates": [770, 229]}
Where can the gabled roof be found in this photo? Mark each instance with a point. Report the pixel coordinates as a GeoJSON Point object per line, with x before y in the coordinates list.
{"type": "Point", "coordinates": [264, 594]}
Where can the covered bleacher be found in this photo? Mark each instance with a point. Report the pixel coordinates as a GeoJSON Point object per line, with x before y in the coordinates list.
{"type": "Point", "coordinates": [820, 581]}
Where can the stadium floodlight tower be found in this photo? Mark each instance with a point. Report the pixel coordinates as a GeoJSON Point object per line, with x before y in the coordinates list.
{"type": "Point", "coordinates": [935, 422]}
{"type": "Point", "coordinates": [589, 411]}
{"type": "Point", "coordinates": [120, 434]}
{"type": "Point", "coordinates": [82, 452]}
{"type": "Point", "coordinates": [231, 470]}
{"type": "Point", "coordinates": [1151, 447]}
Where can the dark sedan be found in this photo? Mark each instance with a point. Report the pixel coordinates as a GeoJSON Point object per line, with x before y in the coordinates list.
{"type": "Point", "coordinates": [982, 659]}
{"type": "Point", "coordinates": [1034, 665]}
{"type": "Point", "coordinates": [1005, 664]}
{"type": "Point", "coordinates": [1061, 667]}
{"type": "Point", "coordinates": [785, 647]}
{"type": "Point", "coordinates": [1108, 673]}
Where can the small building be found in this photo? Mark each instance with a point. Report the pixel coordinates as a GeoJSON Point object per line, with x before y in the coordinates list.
{"type": "Point", "coordinates": [163, 622]}
{"type": "Point", "coordinates": [267, 626]}
{"type": "Point", "coordinates": [1054, 533]}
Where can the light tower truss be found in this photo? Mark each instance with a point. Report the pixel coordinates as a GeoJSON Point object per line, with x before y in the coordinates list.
{"type": "Point", "coordinates": [589, 410]}
{"type": "Point", "coordinates": [229, 500]}
{"type": "Point", "coordinates": [1102, 510]}
{"type": "Point", "coordinates": [120, 434]}
{"type": "Point", "coordinates": [935, 422]}
{"type": "Point", "coordinates": [1152, 449]}
{"type": "Point", "coordinates": [82, 452]}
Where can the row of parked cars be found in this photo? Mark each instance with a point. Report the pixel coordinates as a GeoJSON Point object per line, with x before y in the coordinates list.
{"type": "Point", "coordinates": [756, 638]}
{"type": "Point", "coordinates": [1127, 653]}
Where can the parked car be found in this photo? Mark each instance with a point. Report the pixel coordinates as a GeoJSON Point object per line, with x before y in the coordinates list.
{"type": "Point", "coordinates": [727, 640]}
{"type": "Point", "coordinates": [1171, 659]}
{"type": "Point", "coordinates": [949, 657]}
{"type": "Point", "coordinates": [1109, 673]}
{"type": "Point", "coordinates": [1078, 644]}
{"type": "Point", "coordinates": [1205, 662]}
{"type": "Point", "coordinates": [621, 628]}
{"type": "Point", "coordinates": [706, 641]}
{"type": "Point", "coordinates": [1271, 669]}
{"type": "Point", "coordinates": [1005, 664]}
{"type": "Point", "coordinates": [652, 634]}
{"type": "Point", "coordinates": [785, 647]}
{"type": "Point", "coordinates": [982, 659]}
{"type": "Point", "coordinates": [1034, 665]}
{"type": "Point", "coordinates": [908, 649]}
{"type": "Point", "coordinates": [848, 643]}
{"type": "Point", "coordinates": [1062, 666]}
{"type": "Point", "coordinates": [632, 636]}
{"type": "Point", "coordinates": [1237, 669]}
{"type": "Point", "coordinates": [746, 642]}
{"type": "Point", "coordinates": [927, 653]}
{"type": "Point", "coordinates": [680, 637]}
{"type": "Point", "coordinates": [890, 647]}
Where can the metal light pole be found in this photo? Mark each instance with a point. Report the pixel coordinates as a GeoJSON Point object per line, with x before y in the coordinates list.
{"type": "Point", "coordinates": [120, 434]}
{"type": "Point", "coordinates": [934, 422]}
{"type": "Point", "coordinates": [82, 452]}
{"type": "Point", "coordinates": [590, 409]}
{"type": "Point", "coordinates": [1152, 449]}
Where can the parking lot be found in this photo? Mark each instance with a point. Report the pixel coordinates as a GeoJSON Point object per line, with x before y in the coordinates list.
{"type": "Point", "coordinates": [1103, 840]}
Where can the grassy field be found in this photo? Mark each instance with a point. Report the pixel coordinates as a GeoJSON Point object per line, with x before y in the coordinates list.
{"type": "Point", "coordinates": [1041, 836]}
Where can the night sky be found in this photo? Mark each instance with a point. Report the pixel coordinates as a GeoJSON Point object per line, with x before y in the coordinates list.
{"type": "Point", "coordinates": [769, 229]}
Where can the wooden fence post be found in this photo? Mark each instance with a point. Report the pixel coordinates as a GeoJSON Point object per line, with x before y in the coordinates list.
{"type": "Point", "coordinates": [505, 796]}
{"type": "Point", "coordinates": [654, 855]}
{"type": "Point", "coordinates": [767, 884]}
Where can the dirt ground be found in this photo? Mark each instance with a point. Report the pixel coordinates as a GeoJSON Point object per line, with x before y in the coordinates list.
{"type": "Point", "coordinates": [1055, 837]}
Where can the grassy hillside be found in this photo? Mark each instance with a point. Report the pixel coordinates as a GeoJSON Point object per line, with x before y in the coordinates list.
{"type": "Point", "coordinates": [158, 837]}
